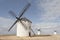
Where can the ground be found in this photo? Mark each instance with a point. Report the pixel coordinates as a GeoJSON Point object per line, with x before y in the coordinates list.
{"type": "Point", "coordinates": [47, 37]}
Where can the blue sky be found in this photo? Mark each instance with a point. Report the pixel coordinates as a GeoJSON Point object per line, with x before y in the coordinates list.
{"type": "Point", "coordinates": [16, 6]}
{"type": "Point", "coordinates": [42, 13]}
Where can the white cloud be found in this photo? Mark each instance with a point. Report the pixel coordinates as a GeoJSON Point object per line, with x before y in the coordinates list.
{"type": "Point", "coordinates": [49, 14]}
{"type": "Point", "coordinates": [51, 10]}
{"type": "Point", "coordinates": [5, 24]}
{"type": "Point", "coordinates": [48, 25]}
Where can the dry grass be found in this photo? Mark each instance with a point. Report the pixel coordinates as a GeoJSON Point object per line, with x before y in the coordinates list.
{"type": "Point", "coordinates": [53, 37]}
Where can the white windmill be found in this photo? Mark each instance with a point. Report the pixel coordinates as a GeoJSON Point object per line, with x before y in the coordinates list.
{"type": "Point", "coordinates": [23, 24]}
{"type": "Point", "coordinates": [55, 33]}
{"type": "Point", "coordinates": [38, 31]}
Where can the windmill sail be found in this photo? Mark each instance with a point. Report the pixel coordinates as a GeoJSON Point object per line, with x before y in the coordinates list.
{"type": "Point", "coordinates": [12, 25]}
{"type": "Point", "coordinates": [25, 8]}
{"type": "Point", "coordinates": [19, 18]}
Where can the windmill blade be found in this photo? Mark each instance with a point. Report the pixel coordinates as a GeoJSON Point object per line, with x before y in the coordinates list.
{"type": "Point", "coordinates": [12, 25]}
{"type": "Point", "coordinates": [24, 9]}
{"type": "Point", "coordinates": [23, 24]}
{"type": "Point", "coordinates": [32, 31]}
{"type": "Point", "coordinates": [13, 14]}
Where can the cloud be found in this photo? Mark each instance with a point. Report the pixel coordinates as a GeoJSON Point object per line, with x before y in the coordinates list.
{"type": "Point", "coordinates": [5, 24]}
{"type": "Point", "coordinates": [49, 15]}
{"type": "Point", "coordinates": [47, 28]}
{"type": "Point", "coordinates": [50, 10]}
{"type": "Point", "coordinates": [48, 25]}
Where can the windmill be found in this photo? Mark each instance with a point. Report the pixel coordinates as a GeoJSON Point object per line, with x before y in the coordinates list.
{"type": "Point", "coordinates": [38, 31]}
{"type": "Point", "coordinates": [23, 24]}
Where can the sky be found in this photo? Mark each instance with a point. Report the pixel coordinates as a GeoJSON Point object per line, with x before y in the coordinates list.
{"type": "Point", "coordinates": [44, 14]}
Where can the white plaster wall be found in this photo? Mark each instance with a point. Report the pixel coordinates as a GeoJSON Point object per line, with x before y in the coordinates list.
{"type": "Point", "coordinates": [21, 31]}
